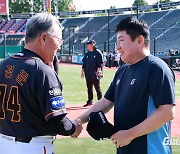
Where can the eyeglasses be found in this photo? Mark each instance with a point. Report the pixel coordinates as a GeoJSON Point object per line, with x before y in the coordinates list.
{"type": "Point", "coordinates": [58, 38]}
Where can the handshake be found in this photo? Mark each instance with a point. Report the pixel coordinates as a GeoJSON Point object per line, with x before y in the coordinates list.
{"type": "Point", "coordinates": [78, 129]}
{"type": "Point", "coordinates": [98, 127]}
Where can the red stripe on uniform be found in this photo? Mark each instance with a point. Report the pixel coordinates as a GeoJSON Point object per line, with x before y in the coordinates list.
{"type": "Point", "coordinates": [53, 113]}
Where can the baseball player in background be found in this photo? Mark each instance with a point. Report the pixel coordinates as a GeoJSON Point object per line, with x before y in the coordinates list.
{"type": "Point", "coordinates": [92, 70]}
{"type": "Point", "coordinates": [32, 108]}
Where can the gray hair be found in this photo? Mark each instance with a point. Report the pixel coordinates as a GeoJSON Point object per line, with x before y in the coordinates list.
{"type": "Point", "coordinates": [39, 23]}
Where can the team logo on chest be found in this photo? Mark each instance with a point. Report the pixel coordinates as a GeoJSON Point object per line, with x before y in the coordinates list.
{"type": "Point", "coordinates": [133, 81]}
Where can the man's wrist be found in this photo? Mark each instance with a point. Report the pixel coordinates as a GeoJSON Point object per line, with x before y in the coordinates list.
{"type": "Point", "coordinates": [132, 133]}
{"type": "Point", "coordinates": [73, 128]}
{"type": "Point", "coordinates": [78, 121]}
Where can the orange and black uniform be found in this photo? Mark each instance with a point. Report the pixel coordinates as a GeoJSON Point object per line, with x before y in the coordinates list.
{"type": "Point", "coordinates": [31, 101]}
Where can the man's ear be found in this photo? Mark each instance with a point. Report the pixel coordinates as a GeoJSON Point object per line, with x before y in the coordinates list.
{"type": "Point", "coordinates": [43, 37]}
{"type": "Point", "coordinates": [140, 39]}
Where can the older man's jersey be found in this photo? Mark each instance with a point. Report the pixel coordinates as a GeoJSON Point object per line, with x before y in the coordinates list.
{"type": "Point", "coordinates": [30, 95]}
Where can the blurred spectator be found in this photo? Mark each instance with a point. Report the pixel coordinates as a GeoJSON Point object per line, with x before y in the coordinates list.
{"type": "Point", "coordinates": [171, 52]}
{"type": "Point", "coordinates": [104, 58]}
{"type": "Point", "coordinates": [110, 58]}
{"type": "Point", "coordinates": [177, 63]}
{"type": "Point", "coordinates": [116, 59]}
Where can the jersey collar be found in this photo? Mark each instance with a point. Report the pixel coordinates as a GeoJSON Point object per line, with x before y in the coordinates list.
{"type": "Point", "coordinates": [32, 54]}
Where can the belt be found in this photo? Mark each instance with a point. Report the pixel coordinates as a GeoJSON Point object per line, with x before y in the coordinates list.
{"type": "Point", "coordinates": [36, 139]}
{"type": "Point", "coordinates": [22, 139]}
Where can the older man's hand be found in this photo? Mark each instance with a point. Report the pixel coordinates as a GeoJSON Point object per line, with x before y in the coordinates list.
{"type": "Point", "coordinates": [79, 128]}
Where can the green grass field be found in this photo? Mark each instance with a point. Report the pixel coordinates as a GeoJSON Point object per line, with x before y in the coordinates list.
{"type": "Point", "coordinates": [84, 146]}
{"type": "Point", "coordinates": [90, 146]}
{"type": "Point", "coordinates": [74, 88]}
{"type": "Point", "coordinates": [74, 92]}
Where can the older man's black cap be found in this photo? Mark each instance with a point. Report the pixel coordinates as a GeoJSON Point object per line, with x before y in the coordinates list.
{"type": "Point", "coordinates": [98, 126]}
{"type": "Point", "coordinates": [91, 42]}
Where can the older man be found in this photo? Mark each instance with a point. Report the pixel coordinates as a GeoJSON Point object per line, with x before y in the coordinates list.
{"type": "Point", "coordinates": [32, 108]}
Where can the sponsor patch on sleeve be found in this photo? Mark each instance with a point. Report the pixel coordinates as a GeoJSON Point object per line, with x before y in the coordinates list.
{"type": "Point", "coordinates": [55, 91]}
{"type": "Point", "coordinates": [57, 103]}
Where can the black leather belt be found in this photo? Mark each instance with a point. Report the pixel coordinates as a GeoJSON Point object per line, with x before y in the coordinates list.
{"type": "Point", "coordinates": [22, 139]}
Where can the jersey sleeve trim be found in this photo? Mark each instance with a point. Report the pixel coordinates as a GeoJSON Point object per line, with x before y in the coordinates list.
{"type": "Point", "coordinates": [55, 113]}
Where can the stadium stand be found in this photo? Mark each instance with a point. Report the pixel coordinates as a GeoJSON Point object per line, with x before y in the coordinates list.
{"type": "Point", "coordinates": [3, 22]}
{"type": "Point", "coordinates": [17, 26]}
{"type": "Point", "coordinates": [169, 19]}
{"type": "Point", "coordinates": [7, 25]}
{"type": "Point", "coordinates": [161, 26]}
{"type": "Point", "coordinates": [152, 17]}
{"type": "Point", "coordinates": [164, 27]}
